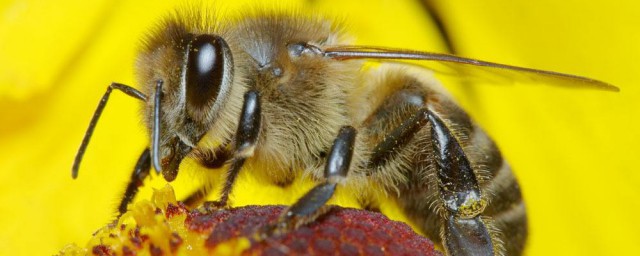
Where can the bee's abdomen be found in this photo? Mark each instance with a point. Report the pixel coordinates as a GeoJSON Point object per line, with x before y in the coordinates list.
{"type": "Point", "coordinates": [500, 187]}
{"type": "Point", "coordinates": [415, 160]}
{"type": "Point", "coordinates": [507, 209]}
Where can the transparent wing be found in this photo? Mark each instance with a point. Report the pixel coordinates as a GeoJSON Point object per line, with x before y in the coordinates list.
{"type": "Point", "coordinates": [468, 67]}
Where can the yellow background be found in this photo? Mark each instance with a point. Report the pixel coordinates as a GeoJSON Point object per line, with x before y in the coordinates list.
{"type": "Point", "coordinates": [574, 151]}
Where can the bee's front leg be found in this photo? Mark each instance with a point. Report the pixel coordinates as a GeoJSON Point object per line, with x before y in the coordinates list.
{"type": "Point", "coordinates": [210, 158]}
{"type": "Point", "coordinates": [312, 204]}
{"type": "Point", "coordinates": [246, 137]}
{"type": "Point", "coordinates": [140, 172]}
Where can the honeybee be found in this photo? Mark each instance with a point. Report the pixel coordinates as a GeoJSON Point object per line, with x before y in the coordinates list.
{"type": "Point", "coordinates": [283, 93]}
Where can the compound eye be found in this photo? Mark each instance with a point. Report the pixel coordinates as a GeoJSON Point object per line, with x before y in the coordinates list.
{"type": "Point", "coordinates": [208, 71]}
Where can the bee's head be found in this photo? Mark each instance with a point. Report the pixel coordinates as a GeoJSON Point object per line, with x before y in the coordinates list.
{"type": "Point", "coordinates": [191, 79]}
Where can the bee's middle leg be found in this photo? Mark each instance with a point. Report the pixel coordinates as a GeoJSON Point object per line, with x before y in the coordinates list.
{"type": "Point", "coordinates": [310, 206]}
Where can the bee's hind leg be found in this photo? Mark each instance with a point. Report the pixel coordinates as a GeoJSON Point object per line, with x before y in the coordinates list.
{"type": "Point", "coordinates": [310, 206]}
{"type": "Point", "coordinates": [464, 231]}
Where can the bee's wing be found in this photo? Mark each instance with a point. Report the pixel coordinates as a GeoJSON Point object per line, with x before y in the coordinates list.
{"type": "Point", "coordinates": [466, 66]}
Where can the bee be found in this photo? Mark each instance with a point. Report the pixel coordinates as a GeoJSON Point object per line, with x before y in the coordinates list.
{"type": "Point", "coordinates": [285, 93]}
